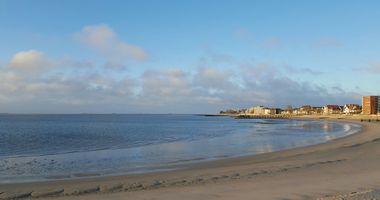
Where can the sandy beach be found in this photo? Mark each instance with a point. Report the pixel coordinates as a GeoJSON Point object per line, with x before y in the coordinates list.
{"type": "Point", "coordinates": [345, 168]}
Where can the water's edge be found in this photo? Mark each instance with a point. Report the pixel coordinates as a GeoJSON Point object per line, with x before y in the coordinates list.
{"type": "Point", "coordinates": [114, 161]}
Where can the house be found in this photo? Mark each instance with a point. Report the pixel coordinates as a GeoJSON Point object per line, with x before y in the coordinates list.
{"type": "Point", "coordinates": [332, 109]}
{"type": "Point", "coordinates": [278, 110]}
{"type": "Point", "coordinates": [242, 111]}
{"type": "Point", "coordinates": [352, 109]}
{"type": "Point", "coordinates": [306, 109]}
{"type": "Point", "coordinates": [317, 110]}
{"type": "Point", "coordinates": [269, 111]}
{"type": "Point", "coordinates": [287, 112]}
{"type": "Point", "coordinates": [250, 111]}
{"type": "Point", "coordinates": [296, 111]}
{"type": "Point", "coordinates": [259, 110]}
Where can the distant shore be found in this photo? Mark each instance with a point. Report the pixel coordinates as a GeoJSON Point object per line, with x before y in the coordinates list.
{"type": "Point", "coordinates": [321, 116]}
{"type": "Point", "coordinates": [342, 166]}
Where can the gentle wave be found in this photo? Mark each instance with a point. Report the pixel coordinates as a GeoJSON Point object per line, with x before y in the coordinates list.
{"type": "Point", "coordinates": [165, 142]}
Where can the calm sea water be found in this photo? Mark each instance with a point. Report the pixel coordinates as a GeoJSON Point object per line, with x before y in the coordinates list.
{"type": "Point", "coordinates": [40, 147]}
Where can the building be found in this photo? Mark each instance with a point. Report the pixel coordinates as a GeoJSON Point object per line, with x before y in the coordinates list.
{"type": "Point", "coordinates": [352, 109]}
{"type": "Point", "coordinates": [305, 110]}
{"type": "Point", "coordinates": [296, 111]}
{"type": "Point", "coordinates": [242, 111]}
{"type": "Point", "coordinates": [259, 110]}
{"type": "Point", "coordinates": [370, 105]}
{"type": "Point", "coordinates": [317, 110]}
{"type": "Point", "coordinates": [269, 111]}
{"type": "Point", "coordinates": [332, 109]}
{"type": "Point", "coordinates": [286, 112]}
{"type": "Point", "coordinates": [278, 111]}
{"type": "Point", "coordinates": [249, 111]}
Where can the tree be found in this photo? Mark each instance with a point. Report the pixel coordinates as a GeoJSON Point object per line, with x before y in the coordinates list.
{"type": "Point", "coordinates": [289, 109]}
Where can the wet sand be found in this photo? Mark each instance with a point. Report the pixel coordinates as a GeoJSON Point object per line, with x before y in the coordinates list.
{"type": "Point", "coordinates": [339, 167]}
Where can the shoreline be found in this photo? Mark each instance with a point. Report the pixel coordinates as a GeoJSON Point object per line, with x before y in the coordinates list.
{"type": "Point", "coordinates": [170, 166]}
{"type": "Point", "coordinates": [211, 174]}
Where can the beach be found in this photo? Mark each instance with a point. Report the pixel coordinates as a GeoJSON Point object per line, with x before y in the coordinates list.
{"type": "Point", "coordinates": [341, 167]}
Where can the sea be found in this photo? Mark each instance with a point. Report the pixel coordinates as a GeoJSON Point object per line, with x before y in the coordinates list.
{"type": "Point", "coordinates": [54, 147]}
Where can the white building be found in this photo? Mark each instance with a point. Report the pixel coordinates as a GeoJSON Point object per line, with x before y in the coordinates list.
{"type": "Point", "coordinates": [269, 111]}
{"type": "Point", "coordinates": [352, 109]}
{"type": "Point", "coordinates": [259, 110]}
{"type": "Point", "coordinates": [250, 111]}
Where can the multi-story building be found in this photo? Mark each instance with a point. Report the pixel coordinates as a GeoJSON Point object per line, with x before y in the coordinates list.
{"type": "Point", "coordinates": [370, 105]}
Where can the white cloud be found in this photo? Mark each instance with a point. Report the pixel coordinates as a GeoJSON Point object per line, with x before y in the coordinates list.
{"type": "Point", "coordinates": [30, 62]}
{"type": "Point", "coordinates": [168, 83]}
{"type": "Point", "coordinates": [30, 78]}
{"type": "Point", "coordinates": [104, 40]}
{"type": "Point", "coordinates": [213, 78]}
{"type": "Point", "coordinates": [207, 88]}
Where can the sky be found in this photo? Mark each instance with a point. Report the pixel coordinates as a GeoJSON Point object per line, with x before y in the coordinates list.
{"type": "Point", "coordinates": [196, 56]}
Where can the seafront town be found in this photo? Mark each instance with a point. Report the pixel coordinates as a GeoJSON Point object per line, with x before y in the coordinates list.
{"type": "Point", "coordinates": [370, 106]}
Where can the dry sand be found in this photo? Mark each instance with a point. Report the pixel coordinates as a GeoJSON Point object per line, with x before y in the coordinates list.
{"type": "Point", "coordinates": [345, 168]}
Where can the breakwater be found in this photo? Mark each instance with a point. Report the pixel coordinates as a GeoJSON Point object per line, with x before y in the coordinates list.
{"type": "Point", "coordinates": [262, 117]}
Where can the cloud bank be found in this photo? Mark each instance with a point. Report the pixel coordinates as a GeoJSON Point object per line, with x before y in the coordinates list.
{"type": "Point", "coordinates": [33, 82]}
{"type": "Point", "coordinates": [48, 88]}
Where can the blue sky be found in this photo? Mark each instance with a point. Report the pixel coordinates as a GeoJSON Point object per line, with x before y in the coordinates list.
{"type": "Point", "coordinates": [185, 56]}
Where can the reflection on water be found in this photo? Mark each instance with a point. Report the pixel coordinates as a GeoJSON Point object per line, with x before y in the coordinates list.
{"type": "Point", "coordinates": [180, 145]}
